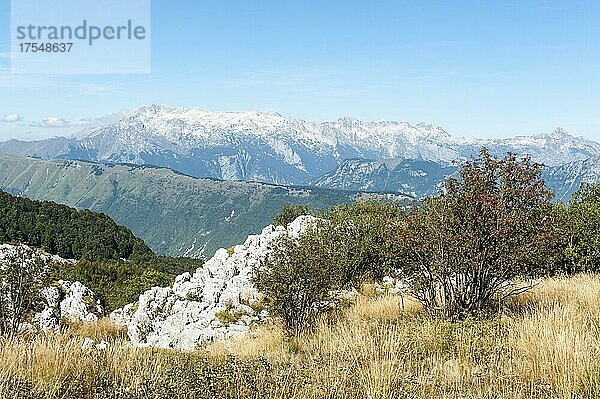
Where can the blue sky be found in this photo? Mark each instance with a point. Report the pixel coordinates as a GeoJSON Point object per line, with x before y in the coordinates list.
{"type": "Point", "coordinates": [477, 68]}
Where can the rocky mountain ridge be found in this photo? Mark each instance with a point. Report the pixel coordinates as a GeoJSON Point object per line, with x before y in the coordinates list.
{"type": "Point", "coordinates": [269, 147]}
{"type": "Point", "coordinates": [421, 178]}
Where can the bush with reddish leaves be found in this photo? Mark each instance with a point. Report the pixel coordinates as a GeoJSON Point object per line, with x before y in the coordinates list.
{"type": "Point", "coordinates": [464, 249]}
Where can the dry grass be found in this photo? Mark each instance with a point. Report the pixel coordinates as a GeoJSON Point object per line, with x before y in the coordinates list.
{"type": "Point", "coordinates": [104, 329]}
{"type": "Point", "coordinates": [546, 344]}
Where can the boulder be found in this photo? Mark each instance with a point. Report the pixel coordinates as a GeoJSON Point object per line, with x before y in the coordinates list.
{"type": "Point", "coordinates": [67, 301]}
{"type": "Point", "coordinates": [79, 302]}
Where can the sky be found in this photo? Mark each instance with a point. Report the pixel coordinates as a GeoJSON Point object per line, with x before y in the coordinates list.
{"type": "Point", "coordinates": [476, 68]}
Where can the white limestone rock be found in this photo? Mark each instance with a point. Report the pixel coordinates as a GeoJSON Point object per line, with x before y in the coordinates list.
{"type": "Point", "coordinates": [192, 311]}
{"type": "Point", "coordinates": [122, 316]}
{"type": "Point", "coordinates": [79, 303]}
{"type": "Point", "coordinates": [46, 320]}
{"type": "Point", "coordinates": [102, 345]}
{"type": "Point", "coordinates": [391, 285]}
{"type": "Point", "coordinates": [70, 301]}
{"type": "Point", "coordinates": [88, 344]}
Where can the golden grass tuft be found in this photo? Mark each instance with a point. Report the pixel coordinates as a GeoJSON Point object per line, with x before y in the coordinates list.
{"type": "Point", "coordinates": [104, 329]}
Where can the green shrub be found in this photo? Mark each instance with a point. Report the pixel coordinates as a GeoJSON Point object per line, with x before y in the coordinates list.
{"type": "Point", "coordinates": [289, 213]}
{"type": "Point", "coordinates": [22, 275]}
{"type": "Point", "coordinates": [356, 234]}
{"type": "Point", "coordinates": [297, 280]}
{"type": "Point", "coordinates": [464, 248]}
{"type": "Point", "coordinates": [343, 249]}
{"type": "Point", "coordinates": [580, 233]}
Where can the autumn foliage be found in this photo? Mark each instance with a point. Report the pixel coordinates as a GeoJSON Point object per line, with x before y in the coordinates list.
{"type": "Point", "coordinates": [463, 250]}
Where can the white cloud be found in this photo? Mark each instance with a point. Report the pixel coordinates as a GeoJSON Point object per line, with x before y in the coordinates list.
{"type": "Point", "coordinates": [101, 120]}
{"type": "Point", "coordinates": [53, 121]}
{"type": "Point", "coordinates": [10, 118]}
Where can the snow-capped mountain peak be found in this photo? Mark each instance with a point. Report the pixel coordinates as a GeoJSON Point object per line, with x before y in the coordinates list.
{"type": "Point", "coordinates": [267, 146]}
{"type": "Point", "coordinates": [559, 132]}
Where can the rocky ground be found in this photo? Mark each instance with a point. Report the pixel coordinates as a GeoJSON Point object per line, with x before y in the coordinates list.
{"type": "Point", "coordinates": [217, 301]}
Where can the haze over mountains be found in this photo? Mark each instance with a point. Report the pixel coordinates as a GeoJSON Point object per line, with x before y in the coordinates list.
{"type": "Point", "coordinates": [271, 148]}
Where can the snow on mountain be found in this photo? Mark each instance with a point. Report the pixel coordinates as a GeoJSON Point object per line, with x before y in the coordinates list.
{"type": "Point", "coordinates": [413, 177]}
{"type": "Point", "coordinates": [568, 178]}
{"type": "Point", "coordinates": [269, 147]}
{"type": "Point", "coordinates": [256, 145]}
{"type": "Point", "coordinates": [552, 149]}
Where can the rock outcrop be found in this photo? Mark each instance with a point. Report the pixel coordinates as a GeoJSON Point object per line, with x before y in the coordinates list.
{"type": "Point", "coordinates": [90, 344]}
{"type": "Point", "coordinates": [62, 300]}
{"type": "Point", "coordinates": [67, 301]}
{"type": "Point", "coordinates": [217, 301]}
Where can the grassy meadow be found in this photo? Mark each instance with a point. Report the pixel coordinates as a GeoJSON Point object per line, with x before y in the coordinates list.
{"type": "Point", "coordinates": [544, 344]}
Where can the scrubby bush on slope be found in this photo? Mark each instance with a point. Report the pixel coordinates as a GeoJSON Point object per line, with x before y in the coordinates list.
{"type": "Point", "coordinates": [464, 247]}
{"type": "Point", "coordinates": [580, 238]}
{"type": "Point", "coordinates": [289, 213]}
{"type": "Point", "coordinates": [23, 273]}
{"type": "Point", "coordinates": [356, 233]}
{"type": "Point", "coordinates": [297, 280]}
{"type": "Point", "coordinates": [342, 249]}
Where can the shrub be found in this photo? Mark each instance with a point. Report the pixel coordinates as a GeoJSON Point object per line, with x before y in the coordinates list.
{"type": "Point", "coordinates": [356, 235]}
{"type": "Point", "coordinates": [580, 238]}
{"type": "Point", "coordinates": [297, 280]}
{"type": "Point", "coordinates": [342, 249]}
{"type": "Point", "coordinates": [463, 248]}
{"type": "Point", "coordinates": [289, 213]}
{"type": "Point", "coordinates": [23, 274]}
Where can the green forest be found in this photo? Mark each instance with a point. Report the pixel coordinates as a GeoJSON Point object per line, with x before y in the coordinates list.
{"type": "Point", "coordinates": [65, 231]}
{"type": "Point", "coordinates": [112, 261]}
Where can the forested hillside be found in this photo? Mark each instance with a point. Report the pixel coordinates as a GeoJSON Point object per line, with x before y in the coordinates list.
{"type": "Point", "coordinates": [65, 231]}
{"type": "Point", "coordinates": [112, 261]}
{"type": "Point", "coordinates": [173, 213]}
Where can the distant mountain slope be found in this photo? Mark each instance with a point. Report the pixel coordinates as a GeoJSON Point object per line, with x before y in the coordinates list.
{"type": "Point", "coordinates": [415, 177]}
{"type": "Point", "coordinates": [53, 148]}
{"type": "Point", "coordinates": [268, 147]}
{"type": "Point", "coordinates": [420, 178]}
{"type": "Point", "coordinates": [175, 214]}
{"type": "Point", "coordinates": [568, 178]}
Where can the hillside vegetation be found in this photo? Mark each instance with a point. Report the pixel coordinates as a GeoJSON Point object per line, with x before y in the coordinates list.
{"type": "Point", "coordinates": [112, 261]}
{"type": "Point", "coordinates": [174, 214]}
{"type": "Point", "coordinates": [65, 231]}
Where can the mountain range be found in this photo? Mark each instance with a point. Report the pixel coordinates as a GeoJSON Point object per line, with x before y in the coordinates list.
{"type": "Point", "coordinates": [189, 181]}
{"type": "Point", "coordinates": [271, 148]}
{"type": "Point", "coordinates": [419, 178]}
